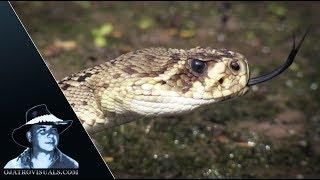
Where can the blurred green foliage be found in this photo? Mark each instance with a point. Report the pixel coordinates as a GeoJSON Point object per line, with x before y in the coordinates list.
{"type": "Point", "coordinates": [277, 9]}
{"type": "Point", "coordinates": [99, 34]}
{"type": "Point", "coordinates": [145, 23]}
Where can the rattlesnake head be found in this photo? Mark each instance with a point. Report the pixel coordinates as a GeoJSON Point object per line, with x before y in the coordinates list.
{"type": "Point", "coordinates": [170, 81]}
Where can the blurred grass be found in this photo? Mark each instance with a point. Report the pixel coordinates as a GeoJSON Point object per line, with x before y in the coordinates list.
{"type": "Point", "coordinates": [273, 131]}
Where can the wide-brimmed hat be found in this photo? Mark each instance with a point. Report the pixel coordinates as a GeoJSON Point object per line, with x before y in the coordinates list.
{"type": "Point", "coordinates": [38, 115]}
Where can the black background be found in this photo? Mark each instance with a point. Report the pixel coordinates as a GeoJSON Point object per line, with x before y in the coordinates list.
{"type": "Point", "coordinates": [25, 81]}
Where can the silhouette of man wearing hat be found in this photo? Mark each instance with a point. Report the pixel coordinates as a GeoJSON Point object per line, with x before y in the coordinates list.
{"type": "Point", "coordinates": [40, 136]}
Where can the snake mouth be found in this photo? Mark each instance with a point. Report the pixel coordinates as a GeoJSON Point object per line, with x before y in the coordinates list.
{"type": "Point", "coordinates": [280, 69]}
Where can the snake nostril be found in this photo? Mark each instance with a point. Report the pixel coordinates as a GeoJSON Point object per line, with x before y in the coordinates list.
{"type": "Point", "coordinates": [220, 81]}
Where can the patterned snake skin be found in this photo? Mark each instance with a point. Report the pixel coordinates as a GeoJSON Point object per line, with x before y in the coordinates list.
{"type": "Point", "coordinates": [154, 82]}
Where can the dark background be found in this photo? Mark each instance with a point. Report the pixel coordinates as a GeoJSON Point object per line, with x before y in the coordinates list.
{"type": "Point", "coordinates": [26, 82]}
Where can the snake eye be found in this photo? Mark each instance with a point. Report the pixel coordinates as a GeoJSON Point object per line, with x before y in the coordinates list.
{"type": "Point", "coordinates": [198, 66]}
{"type": "Point", "coordinates": [235, 65]}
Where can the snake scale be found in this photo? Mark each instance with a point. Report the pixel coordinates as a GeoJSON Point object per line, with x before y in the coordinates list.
{"type": "Point", "coordinates": [159, 82]}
